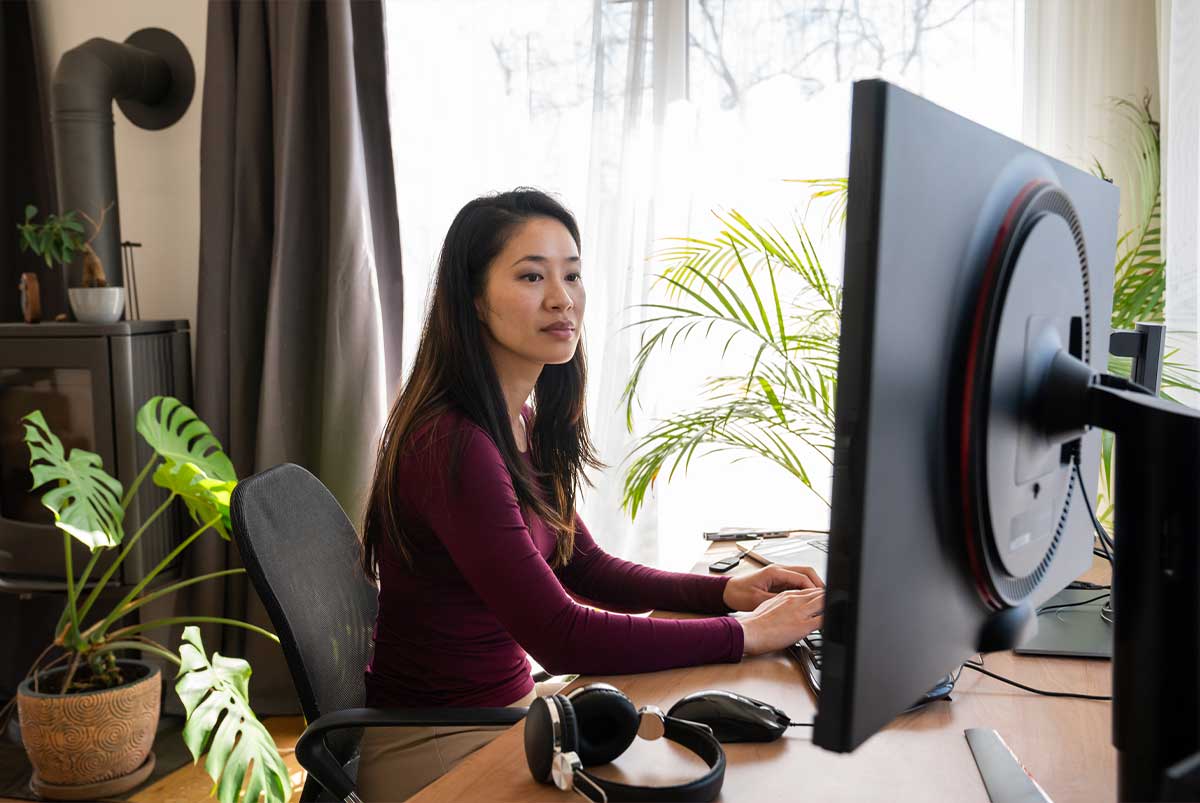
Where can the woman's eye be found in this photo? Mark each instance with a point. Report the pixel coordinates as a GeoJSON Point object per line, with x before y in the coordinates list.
{"type": "Point", "coordinates": [532, 276]}
{"type": "Point", "coordinates": [575, 277]}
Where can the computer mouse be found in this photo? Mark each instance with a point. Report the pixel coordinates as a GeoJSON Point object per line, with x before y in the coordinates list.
{"type": "Point", "coordinates": [732, 717]}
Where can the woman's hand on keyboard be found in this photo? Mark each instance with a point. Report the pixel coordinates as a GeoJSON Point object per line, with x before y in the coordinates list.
{"type": "Point", "coordinates": [745, 592]}
{"type": "Point", "coordinates": [782, 620]}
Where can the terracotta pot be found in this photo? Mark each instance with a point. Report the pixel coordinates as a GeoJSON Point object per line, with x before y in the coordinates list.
{"type": "Point", "coordinates": [93, 736]}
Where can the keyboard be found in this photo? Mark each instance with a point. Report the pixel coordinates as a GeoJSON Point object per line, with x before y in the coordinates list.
{"type": "Point", "coordinates": [807, 653]}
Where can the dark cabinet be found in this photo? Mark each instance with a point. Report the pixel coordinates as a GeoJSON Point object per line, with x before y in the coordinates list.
{"type": "Point", "coordinates": [89, 382]}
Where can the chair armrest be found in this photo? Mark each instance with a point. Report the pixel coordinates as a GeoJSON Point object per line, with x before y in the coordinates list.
{"type": "Point", "coordinates": [315, 756]}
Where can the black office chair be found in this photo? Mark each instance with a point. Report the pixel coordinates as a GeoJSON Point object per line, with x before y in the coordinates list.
{"type": "Point", "coordinates": [302, 554]}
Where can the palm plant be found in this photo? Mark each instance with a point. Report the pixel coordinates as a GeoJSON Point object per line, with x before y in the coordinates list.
{"type": "Point", "coordinates": [782, 406]}
{"type": "Point", "coordinates": [1140, 277]}
{"type": "Point", "coordinates": [89, 506]}
{"type": "Point", "coordinates": [786, 397]}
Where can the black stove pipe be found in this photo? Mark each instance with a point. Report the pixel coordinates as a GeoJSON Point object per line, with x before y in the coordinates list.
{"type": "Point", "coordinates": [151, 76]}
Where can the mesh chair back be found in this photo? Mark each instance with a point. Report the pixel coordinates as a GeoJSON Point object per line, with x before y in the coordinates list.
{"type": "Point", "coordinates": [302, 554]}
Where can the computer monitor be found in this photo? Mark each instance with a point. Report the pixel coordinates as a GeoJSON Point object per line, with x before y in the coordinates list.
{"type": "Point", "coordinates": [976, 303]}
{"type": "Point", "coordinates": [929, 193]}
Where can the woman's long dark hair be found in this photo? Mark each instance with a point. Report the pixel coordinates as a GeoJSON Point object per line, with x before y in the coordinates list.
{"type": "Point", "coordinates": [453, 369]}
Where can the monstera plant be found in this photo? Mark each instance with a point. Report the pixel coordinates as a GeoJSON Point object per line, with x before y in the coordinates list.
{"type": "Point", "coordinates": [81, 661]}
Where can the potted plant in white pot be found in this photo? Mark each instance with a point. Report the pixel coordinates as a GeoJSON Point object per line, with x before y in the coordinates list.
{"type": "Point", "coordinates": [59, 239]}
{"type": "Point", "coordinates": [88, 718]}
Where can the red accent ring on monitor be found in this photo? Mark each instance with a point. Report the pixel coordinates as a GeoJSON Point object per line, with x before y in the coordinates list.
{"type": "Point", "coordinates": [991, 274]}
{"type": "Point", "coordinates": [983, 580]}
{"type": "Point", "coordinates": [996, 587]}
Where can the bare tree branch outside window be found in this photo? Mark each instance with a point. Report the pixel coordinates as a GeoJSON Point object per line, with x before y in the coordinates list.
{"type": "Point", "coordinates": [813, 43]}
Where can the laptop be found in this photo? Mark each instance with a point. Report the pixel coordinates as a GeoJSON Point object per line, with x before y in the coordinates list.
{"type": "Point", "coordinates": [807, 550]}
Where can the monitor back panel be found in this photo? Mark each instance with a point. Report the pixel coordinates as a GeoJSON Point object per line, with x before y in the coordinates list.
{"type": "Point", "coordinates": [902, 610]}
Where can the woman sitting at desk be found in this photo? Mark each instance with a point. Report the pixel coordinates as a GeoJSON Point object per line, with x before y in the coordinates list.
{"type": "Point", "coordinates": [471, 527]}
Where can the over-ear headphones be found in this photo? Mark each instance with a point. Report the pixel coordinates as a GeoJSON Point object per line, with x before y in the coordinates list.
{"type": "Point", "coordinates": [595, 724]}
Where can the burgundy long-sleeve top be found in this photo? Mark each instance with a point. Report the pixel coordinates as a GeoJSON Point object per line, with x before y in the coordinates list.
{"type": "Point", "coordinates": [453, 628]}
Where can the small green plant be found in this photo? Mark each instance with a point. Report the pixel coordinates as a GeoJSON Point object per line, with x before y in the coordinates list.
{"type": "Point", "coordinates": [89, 506]}
{"type": "Point", "coordinates": [58, 239]}
{"type": "Point", "coordinates": [61, 237]}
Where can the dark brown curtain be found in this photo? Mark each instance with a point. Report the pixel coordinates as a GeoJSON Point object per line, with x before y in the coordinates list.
{"type": "Point", "coordinates": [300, 298]}
{"type": "Point", "coordinates": [26, 159]}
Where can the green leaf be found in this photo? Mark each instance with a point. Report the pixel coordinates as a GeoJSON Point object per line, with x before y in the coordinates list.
{"type": "Point", "coordinates": [194, 465]}
{"type": "Point", "coordinates": [86, 502]}
{"type": "Point", "coordinates": [174, 431]}
{"type": "Point", "coordinates": [216, 697]}
{"type": "Point", "coordinates": [30, 211]}
{"type": "Point", "coordinates": [206, 498]}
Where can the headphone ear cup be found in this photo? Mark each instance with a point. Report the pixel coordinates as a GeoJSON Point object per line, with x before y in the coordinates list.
{"type": "Point", "coordinates": [607, 722]}
{"type": "Point", "coordinates": [570, 724]}
{"type": "Point", "coordinates": [539, 740]}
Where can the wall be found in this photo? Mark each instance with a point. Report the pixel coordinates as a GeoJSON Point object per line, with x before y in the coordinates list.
{"type": "Point", "coordinates": [158, 172]}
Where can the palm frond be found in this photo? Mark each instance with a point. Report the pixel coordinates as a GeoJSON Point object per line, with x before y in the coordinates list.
{"type": "Point", "coordinates": [836, 189]}
{"type": "Point", "coordinates": [748, 425]}
{"type": "Point", "coordinates": [1139, 284]}
{"type": "Point", "coordinates": [781, 407]}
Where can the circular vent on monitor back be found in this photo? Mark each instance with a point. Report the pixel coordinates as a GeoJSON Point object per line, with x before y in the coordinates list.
{"type": "Point", "coordinates": [1016, 486]}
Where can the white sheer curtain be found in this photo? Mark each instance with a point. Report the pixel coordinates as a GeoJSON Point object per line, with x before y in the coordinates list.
{"type": "Point", "coordinates": [769, 87]}
{"type": "Point", "coordinates": [629, 91]}
{"type": "Point", "coordinates": [1079, 55]}
{"type": "Point", "coordinates": [1179, 72]}
{"type": "Point", "coordinates": [645, 117]}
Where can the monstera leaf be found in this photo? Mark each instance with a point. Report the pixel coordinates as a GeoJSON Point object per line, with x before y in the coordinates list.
{"type": "Point", "coordinates": [87, 502]}
{"type": "Point", "coordinates": [194, 465]}
{"type": "Point", "coordinates": [206, 498]}
{"type": "Point", "coordinates": [174, 431]}
{"type": "Point", "coordinates": [216, 697]}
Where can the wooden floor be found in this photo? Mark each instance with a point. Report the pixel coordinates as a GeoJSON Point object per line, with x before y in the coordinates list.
{"type": "Point", "coordinates": [191, 784]}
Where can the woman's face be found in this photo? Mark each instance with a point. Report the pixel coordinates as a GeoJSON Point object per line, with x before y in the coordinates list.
{"type": "Point", "coordinates": [533, 297]}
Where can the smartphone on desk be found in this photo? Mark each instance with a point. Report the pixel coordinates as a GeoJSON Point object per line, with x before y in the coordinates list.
{"type": "Point", "coordinates": [750, 534]}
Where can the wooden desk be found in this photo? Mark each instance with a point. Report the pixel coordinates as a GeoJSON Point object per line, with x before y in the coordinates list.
{"type": "Point", "coordinates": [1065, 744]}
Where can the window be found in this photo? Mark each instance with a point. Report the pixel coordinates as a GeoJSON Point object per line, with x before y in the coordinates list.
{"type": "Point", "coordinates": [644, 116]}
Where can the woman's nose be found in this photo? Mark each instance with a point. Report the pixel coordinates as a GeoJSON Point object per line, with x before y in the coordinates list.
{"type": "Point", "coordinates": [558, 298]}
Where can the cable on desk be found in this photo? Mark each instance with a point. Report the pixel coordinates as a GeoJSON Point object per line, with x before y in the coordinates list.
{"type": "Point", "coordinates": [800, 724]}
{"type": "Point", "coordinates": [1084, 585]}
{"type": "Point", "coordinates": [1048, 608]}
{"type": "Point", "coordinates": [1003, 679]}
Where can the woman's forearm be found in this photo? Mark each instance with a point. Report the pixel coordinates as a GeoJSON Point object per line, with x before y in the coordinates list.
{"type": "Point", "coordinates": [618, 584]}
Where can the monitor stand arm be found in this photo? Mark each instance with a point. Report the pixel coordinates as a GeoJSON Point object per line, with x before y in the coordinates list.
{"type": "Point", "coordinates": [1156, 586]}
